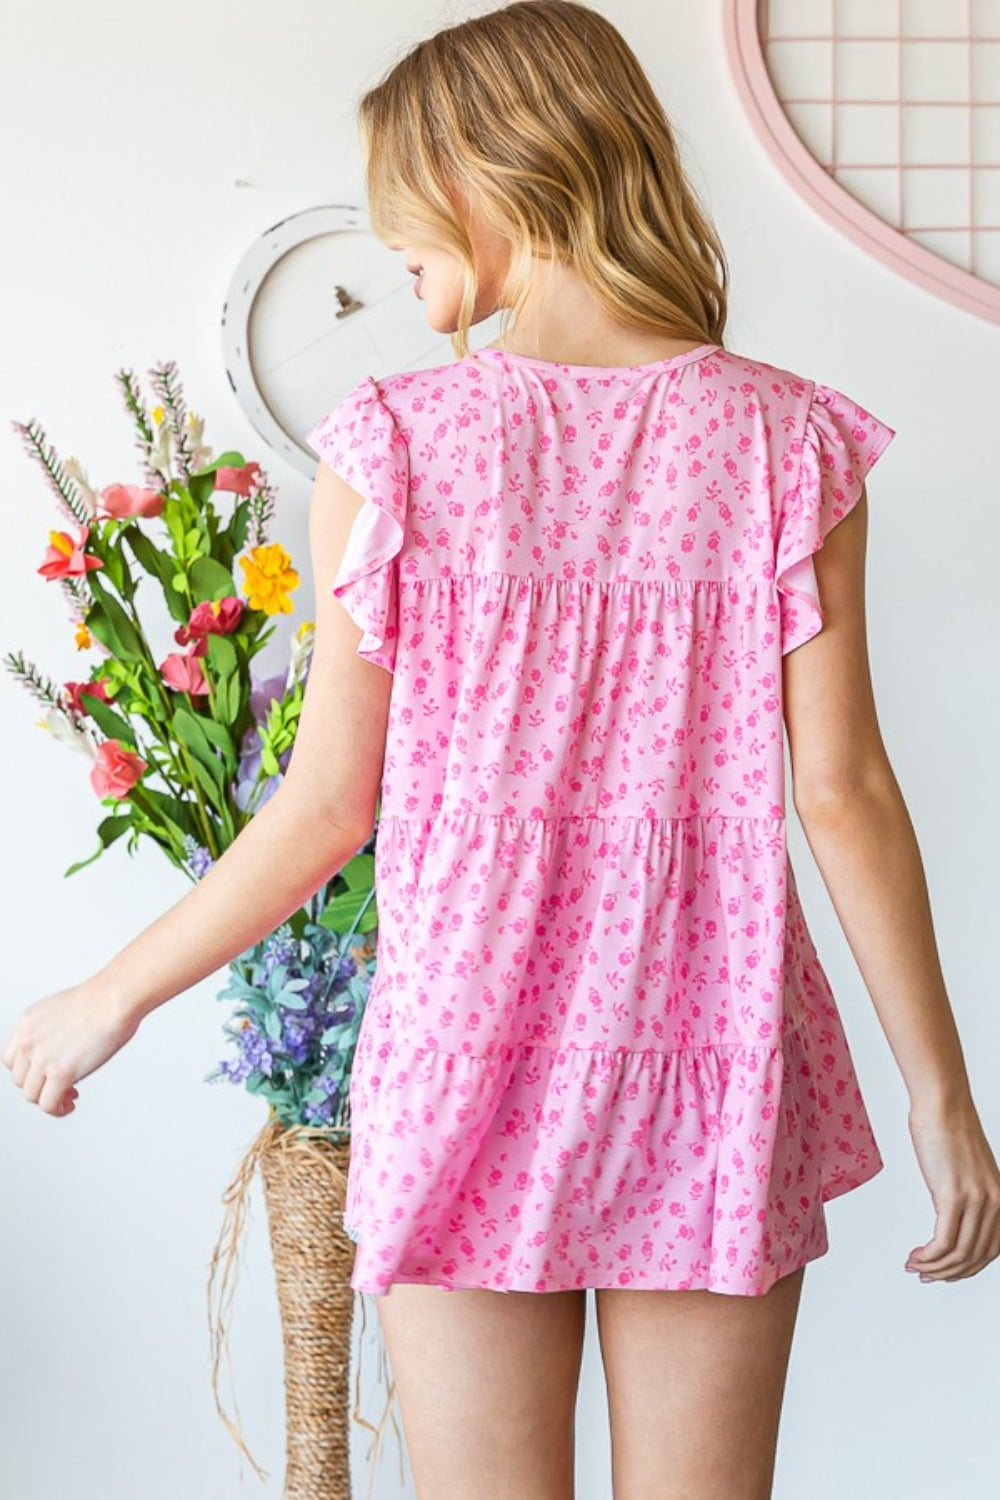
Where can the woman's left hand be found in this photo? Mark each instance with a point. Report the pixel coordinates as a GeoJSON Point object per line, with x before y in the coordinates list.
{"type": "Point", "coordinates": [60, 1039]}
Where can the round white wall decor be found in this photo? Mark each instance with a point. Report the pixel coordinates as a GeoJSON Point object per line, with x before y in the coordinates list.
{"type": "Point", "coordinates": [316, 303]}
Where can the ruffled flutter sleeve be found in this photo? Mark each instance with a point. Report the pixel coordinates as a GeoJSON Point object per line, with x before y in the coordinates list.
{"type": "Point", "coordinates": [361, 442]}
{"type": "Point", "coordinates": [841, 442]}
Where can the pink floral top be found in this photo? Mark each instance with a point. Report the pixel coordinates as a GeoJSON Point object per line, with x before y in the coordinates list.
{"type": "Point", "coordinates": [600, 1049]}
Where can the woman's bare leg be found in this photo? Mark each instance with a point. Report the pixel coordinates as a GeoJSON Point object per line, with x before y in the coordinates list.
{"type": "Point", "coordinates": [695, 1387]}
{"type": "Point", "coordinates": [487, 1384]}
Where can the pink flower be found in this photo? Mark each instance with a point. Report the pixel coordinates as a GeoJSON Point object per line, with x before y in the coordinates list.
{"type": "Point", "coordinates": [121, 500]}
{"type": "Point", "coordinates": [65, 558]}
{"type": "Point", "coordinates": [115, 770]}
{"type": "Point", "coordinates": [211, 617]}
{"type": "Point", "coordinates": [74, 689]}
{"type": "Point", "coordinates": [240, 481]}
{"type": "Point", "coordinates": [182, 672]}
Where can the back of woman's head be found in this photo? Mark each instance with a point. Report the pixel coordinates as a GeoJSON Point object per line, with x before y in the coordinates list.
{"type": "Point", "coordinates": [539, 118]}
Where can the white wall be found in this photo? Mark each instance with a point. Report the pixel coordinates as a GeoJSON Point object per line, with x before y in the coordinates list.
{"type": "Point", "coordinates": [127, 132]}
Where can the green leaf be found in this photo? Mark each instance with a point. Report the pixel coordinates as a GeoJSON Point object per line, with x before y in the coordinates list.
{"type": "Point", "coordinates": [159, 564]}
{"type": "Point", "coordinates": [210, 580]}
{"type": "Point", "coordinates": [113, 725]}
{"type": "Point", "coordinates": [344, 910]}
{"type": "Point", "coordinates": [190, 730]}
{"type": "Point", "coordinates": [116, 623]}
{"type": "Point", "coordinates": [222, 654]}
{"type": "Point", "coordinates": [176, 814]}
{"type": "Point", "coordinates": [114, 567]}
{"type": "Point", "coordinates": [258, 1084]}
{"type": "Point", "coordinates": [360, 871]}
{"type": "Point", "coordinates": [202, 488]}
{"type": "Point", "coordinates": [231, 539]}
{"type": "Point", "coordinates": [206, 780]}
{"type": "Point", "coordinates": [224, 663]}
{"type": "Point", "coordinates": [108, 830]}
{"type": "Point", "coordinates": [223, 742]}
{"type": "Point", "coordinates": [231, 459]}
{"type": "Point", "coordinates": [234, 699]}
{"type": "Point", "coordinates": [173, 518]}
{"type": "Point", "coordinates": [99, 626]}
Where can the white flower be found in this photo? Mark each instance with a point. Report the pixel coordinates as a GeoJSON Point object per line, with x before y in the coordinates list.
{"type": "Point", "coordinates": [201, 454]}
{"type": "Point", "coordinates": [62, 728]}
{"type": "Point", "coordinates": [301, 647]}
{"type": "Point", "coordinates": [161, 451]}
{"type": "Point", "coordinates": [76, 472]}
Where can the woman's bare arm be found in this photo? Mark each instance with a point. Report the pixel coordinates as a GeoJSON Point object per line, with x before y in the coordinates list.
{"type": "Point", "coordinates": [859, 830]}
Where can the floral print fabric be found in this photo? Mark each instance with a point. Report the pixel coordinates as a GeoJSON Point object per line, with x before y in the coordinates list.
{"type": "Point", "coordinates": [600, 1049]}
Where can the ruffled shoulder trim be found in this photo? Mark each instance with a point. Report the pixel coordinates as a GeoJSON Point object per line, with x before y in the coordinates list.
{"type": "Point", "coordinates": [361, 442]}
{"type": "Point", "coordinates": [840, 443]}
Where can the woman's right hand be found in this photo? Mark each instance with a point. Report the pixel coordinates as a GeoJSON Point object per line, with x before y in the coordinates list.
{"type": "Point", "coordinates": [63, 1038]}
{"type": "Point", "coordinates": [961, 1173]}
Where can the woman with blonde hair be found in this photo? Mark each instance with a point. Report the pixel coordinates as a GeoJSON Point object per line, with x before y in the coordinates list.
{"type": "Point", "coordinates": [572, 588]}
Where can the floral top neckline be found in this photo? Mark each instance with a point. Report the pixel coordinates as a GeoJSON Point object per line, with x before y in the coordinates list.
{"type": "Point", "coordinates": [671, 362]}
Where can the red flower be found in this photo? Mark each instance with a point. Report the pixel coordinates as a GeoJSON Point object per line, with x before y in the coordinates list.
{"type": "Point", "coordinates": [211, 617]}
{"type": "Point", "coordinates": [239, 481]}
{"type": "Point", "coordinates": [74, 689]}
{"type": "Point", "coordinates": [183, 673]}
{"type": "Point", "coordinates": [115, 770]}
{"type": "Point", "coordinates": [65, 558]}
{"type": "Point", "coordinates": [121, 500]}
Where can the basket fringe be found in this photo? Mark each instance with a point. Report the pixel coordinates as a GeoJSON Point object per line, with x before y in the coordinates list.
{"type": "Point", "coordinates": [272, 1140]}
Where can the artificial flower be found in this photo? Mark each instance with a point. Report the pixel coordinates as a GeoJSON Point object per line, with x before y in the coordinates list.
{"type": "Point", "coordinates": [211, 617]}
{"type": "Point", "coordinates": [65, 558]}
{"type": "Point", "coordinates": [62, 728]}
{"type": "Point", "coordinates": [301, 648]}
{"type": "Point", "coordinates": [200, 453]}
{"type": "Point", "coordinates": [269, 578]}
{"type": "Point", "coordinates": [161, 448]}
{"type": "Point", "coordinates": [248, 789]}
{"type": "Point", "coordinates": [76, 472]}
{"type": "Point", "coordinates": [119, 501]}
{"type": "Point", "coordinates": [238, 481]}
{"type": "Point", "coordinates": [115, 770]}
{"type": "Point", "coordinates": [74, 689]}
{"type": "Point", "coordinates": [182, 671]}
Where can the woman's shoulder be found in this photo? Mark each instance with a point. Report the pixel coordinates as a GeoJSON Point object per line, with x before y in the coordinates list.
{"type": "Point", "coordinates": [454, 389]}
{"type": "Point", "coordinates": [479, 375]}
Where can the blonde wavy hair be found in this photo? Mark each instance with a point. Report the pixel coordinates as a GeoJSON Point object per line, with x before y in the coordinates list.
{"type": "Point", "coordinates": [540, 114]}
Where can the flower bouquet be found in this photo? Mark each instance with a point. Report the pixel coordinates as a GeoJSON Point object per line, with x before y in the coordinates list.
{"type": "Point", "coordinates": [185, 743]}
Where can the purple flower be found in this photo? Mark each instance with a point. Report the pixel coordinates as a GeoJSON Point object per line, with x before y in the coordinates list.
{"type": "Point", "coordinates": [255, 1049]}
{"type": "Point", "coordinates": [262, 694]}
{"type": "Point", "coordinates": [198, 858]}
{"type": "Point", "coordinates": [262, 691]}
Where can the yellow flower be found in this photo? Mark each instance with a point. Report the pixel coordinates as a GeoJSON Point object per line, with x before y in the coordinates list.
{"type": "Point", "coordinates": [83, 638]}
{"type": "Point", "coordinates": [269, 578]}
{"type": "Point", "coordinates": [157, 415]}
{"type": "Point", "coordinates": [304, 628]}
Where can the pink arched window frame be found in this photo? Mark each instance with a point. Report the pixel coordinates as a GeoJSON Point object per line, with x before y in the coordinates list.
{"type": "Point", "coordinates": [812, 181]}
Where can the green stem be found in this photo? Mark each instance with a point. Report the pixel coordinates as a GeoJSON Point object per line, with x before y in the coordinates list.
{"type": "Point", "coordinates": [139, 800]}
{"type": "Point", "coordinates": [201, 809]}
{"type": "Point", "coordinates": [208, 828]}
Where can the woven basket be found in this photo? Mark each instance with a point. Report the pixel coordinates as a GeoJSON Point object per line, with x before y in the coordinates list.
{"type": "Point", "coordinates": [305, 1177]}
